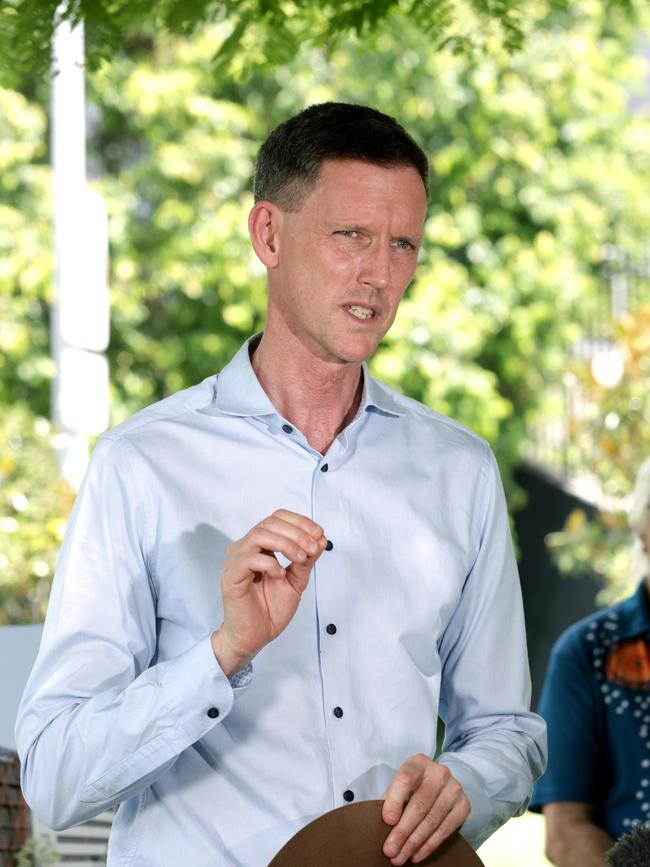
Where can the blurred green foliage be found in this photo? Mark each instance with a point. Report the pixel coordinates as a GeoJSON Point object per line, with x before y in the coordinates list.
{"type": "Point", "coordinates": [537, 163]}
{"type": "Point", "coordinates": [25, 254]}
{"type": "Point", "coordinates": [261, 34]}
{"type": "Point", "coordinates": [37, 852]}
{"type": "Point", "coordinates": [614, 433]}
{"type": "Point", "coordinates": [34, 505]}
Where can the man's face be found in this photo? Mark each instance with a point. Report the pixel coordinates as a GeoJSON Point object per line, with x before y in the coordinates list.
{"type": "Point", "coordinates": [345, 257]}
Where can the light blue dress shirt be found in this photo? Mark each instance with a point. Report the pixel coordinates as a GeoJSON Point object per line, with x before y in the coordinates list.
{"type": "Point", "coordinates": [415, 611]}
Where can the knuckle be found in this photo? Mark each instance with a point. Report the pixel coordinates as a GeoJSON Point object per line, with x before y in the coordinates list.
{"type": "Point", "coordinates": [419, 808]}
{"type": "Point", "coordinates": [403, 777]}
{"type": "Point", "coordinates": [444, 773]}
{"type": "Point", "coordinates": [430, 821]}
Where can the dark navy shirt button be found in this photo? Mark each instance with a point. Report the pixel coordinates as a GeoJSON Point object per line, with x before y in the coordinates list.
{"type": "Point", "coordinates": [324, 468]}
{"type": "Point", "coordinates": [348, 795]}
{"type": "Point", "coordinates": [330, 629]}
{"type": "Point", "coordinates": [287, 428]}
{"type": "Point", "coordinates": [213, 712]}
{"type": "Point", "coordinates": [329, 545]}
{"type": "Point", "coordinates": [338, 712]}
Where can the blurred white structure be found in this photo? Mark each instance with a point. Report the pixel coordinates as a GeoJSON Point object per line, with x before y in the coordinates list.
{"type": "Point", "coordinates": [80, 312]}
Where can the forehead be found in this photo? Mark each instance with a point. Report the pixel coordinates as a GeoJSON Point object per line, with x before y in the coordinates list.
{"type": "Point", "coordinates": [356, 185]}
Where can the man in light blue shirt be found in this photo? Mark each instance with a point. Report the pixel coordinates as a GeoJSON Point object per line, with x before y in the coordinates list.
{"type": "Point", "coordinates": [273, 582]}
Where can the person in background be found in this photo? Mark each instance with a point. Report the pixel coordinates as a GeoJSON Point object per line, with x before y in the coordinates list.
{"type": "Point", "coordinates": [632, 849]}
{"type": "Point", "coordinates": [273, 582]}
{"type": "Point", "coordinates": [596, 702]}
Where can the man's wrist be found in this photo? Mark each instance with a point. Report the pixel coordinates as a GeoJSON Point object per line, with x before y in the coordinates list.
{"type": "Point", "coordinates": [229, 661]}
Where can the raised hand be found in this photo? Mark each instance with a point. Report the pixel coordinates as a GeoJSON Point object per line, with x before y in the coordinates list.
{"type": "Point", "coordinates": [259, 596]}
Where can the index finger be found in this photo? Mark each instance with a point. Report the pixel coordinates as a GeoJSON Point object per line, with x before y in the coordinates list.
{"type": "Point", "coordinates": [302, 521]}
{"type": "Point", "coordinates": [399, 791]}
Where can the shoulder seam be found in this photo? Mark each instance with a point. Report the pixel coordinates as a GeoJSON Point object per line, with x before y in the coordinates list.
{"type": "Point", "coordinates": [416, 407]}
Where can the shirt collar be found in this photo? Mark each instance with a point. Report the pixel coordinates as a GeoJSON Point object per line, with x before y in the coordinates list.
{"type": "Point", "coordinates": [238, 391]}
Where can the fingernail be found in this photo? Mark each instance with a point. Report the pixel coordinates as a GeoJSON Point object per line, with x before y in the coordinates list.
{"type": "Point", "coordinates": [391, 849]}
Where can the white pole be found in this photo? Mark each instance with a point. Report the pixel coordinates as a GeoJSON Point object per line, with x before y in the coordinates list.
{"type": "Point", "coordinates": [80, 311]}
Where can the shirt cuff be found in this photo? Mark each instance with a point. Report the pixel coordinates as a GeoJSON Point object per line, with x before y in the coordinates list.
{"type": "Point", "coordinates": [192, 696]}
{"type": "Point", "coordinates": [202, 695]}
{"type": "Point", "coordinates": [487, 814]}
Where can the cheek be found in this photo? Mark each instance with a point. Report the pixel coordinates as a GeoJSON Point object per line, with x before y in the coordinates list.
{"type": "Point", "coordinates": [407, 273]}
{"type": "Point", "coordinates": [341, 265]}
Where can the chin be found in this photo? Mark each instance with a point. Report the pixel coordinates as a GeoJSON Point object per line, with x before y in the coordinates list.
{"type": "Point", "coordinates": [356, 355]}
{"type": "Point", "coordinates": [360, 349]}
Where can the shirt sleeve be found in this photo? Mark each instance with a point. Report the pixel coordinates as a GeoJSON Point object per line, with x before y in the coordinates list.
{"type": "Point", "coordinates": [100, 720]}
{"type": "Point", "coordinates": [493, 745]}
{"type": "Point", "coordinates": [573, 712]}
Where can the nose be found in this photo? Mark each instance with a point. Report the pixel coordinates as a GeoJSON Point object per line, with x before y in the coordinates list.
{"type": "Point", "coordinates": [376, 270]}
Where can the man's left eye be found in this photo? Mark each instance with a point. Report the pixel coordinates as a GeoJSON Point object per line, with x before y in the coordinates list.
{"type": "Point", "coordinates": [403, 244]}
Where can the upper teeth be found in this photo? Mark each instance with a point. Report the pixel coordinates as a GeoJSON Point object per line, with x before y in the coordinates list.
{"type": "Point", "coordinates": [361, 312]}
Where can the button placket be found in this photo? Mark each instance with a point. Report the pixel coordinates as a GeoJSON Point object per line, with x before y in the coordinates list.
{"type": "Point", "coordinates": [332, 651]}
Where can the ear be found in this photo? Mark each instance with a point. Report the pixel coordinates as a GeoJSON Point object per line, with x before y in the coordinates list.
{"type": "Point", "coordinates": [263, 224]}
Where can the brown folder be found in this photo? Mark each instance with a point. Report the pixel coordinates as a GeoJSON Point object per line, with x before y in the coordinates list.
{"type": "Point", "coordinates": [353, 836]}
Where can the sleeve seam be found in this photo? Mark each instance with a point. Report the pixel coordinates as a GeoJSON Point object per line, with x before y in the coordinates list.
{"type": "Point", "coordinates": [479, 506]}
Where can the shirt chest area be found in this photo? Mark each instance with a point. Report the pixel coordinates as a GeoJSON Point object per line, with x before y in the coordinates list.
{"type": "Point", "coordinates": [388, 515]}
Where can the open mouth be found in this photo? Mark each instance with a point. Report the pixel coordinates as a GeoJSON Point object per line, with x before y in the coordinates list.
{"type": "Point", "coordinates": [359, 312]}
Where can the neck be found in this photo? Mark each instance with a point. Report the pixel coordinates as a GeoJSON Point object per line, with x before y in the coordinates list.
{"type": "Point", "coordinates": [320, 398]}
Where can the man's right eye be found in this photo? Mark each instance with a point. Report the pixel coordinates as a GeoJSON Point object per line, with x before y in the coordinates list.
{"type": "Point", "coordinates": [348, 233]}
